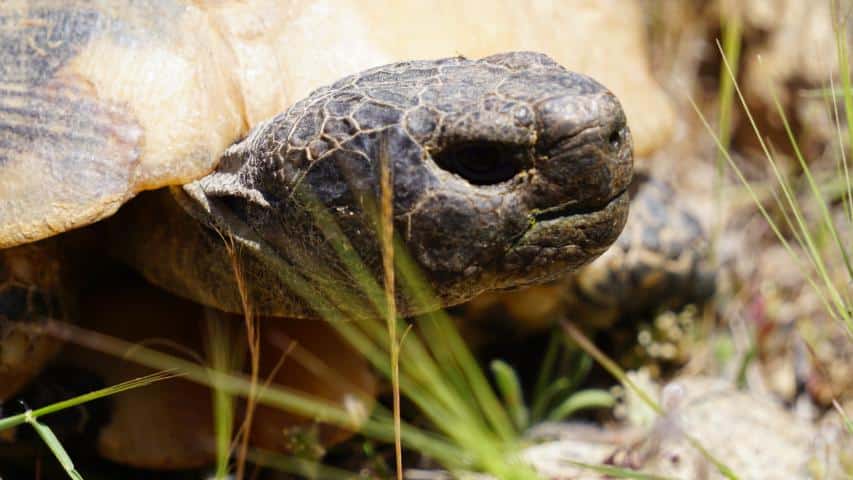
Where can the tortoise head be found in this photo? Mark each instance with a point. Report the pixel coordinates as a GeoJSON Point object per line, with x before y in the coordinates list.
{"type": "Point", "coordinates": [506, 171]}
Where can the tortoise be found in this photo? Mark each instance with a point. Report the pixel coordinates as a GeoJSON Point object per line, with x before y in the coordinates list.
{"type": "Point", "coordinates": [506, 171]}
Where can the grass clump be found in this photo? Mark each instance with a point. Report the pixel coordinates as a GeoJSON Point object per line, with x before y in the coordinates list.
{"type": "Point", "coordinates": [555, 396]}
{"type": "Point", "coordinates": [806, 235]}
{"type": "Point", "coordinates": [50, 439]}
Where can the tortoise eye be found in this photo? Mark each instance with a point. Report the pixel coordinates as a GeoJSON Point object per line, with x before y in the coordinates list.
{"type": "Point", "coordinates": [486, 163]}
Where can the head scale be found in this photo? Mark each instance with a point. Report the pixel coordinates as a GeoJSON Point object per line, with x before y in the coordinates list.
{"type": "Point", "coordinates": [506, 171]}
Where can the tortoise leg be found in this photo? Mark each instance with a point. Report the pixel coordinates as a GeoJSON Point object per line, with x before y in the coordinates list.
{"type": "Point", "coordinates": [170, 424]}
{"type": "Point", "coordinates": [31, 280]}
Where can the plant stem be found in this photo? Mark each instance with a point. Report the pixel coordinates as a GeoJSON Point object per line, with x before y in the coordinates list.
{"type": "Point", "coordinates": [387, 231]}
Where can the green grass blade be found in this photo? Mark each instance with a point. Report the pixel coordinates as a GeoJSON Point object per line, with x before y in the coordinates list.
{"type": "Point", "coordinates": [47, 435]}
{"type": "Point", "coordinates": [54, 445]}
{"type": "Point", "coordinates": [546, 398]}
{"type": "Point", "coordinates": [840, 27]}
{"type": "Point", "coordinates": [223, 357]}
{"type": "Point", "coordinates": [732, 30]}
{"type": "Point", "coordinates": [582, 364]}
{"type": "Point", "coordinates": [15, 420]}
{"type": "Point", "coordinates": [838, 309]}
{"type": "Point", "coordinates": [815, 189]}
{"type": "Point", "coordinates": [583, 400]}
{"type": "Point", "coordinates": [808, 275]}
{"type": "Point", "coordinates": [509, 386]}
{"type": "Point", "coordinates": [546, 371]}
{"type": "Point", "coordinates": [848, 422]}
{"type": "Point", "coordinates": [731, 50]}
{"type": "Point", "coordinates": [844, 169]}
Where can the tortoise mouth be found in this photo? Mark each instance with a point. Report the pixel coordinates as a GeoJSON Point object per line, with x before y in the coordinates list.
{"type": "Point", "coordinates": [586, 226]}
{"type": "Point", "coordinates": [570, 209]}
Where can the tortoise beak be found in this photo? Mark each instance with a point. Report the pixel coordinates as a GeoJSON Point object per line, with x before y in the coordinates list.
{"type": "Point", "coordinates": [579, 200]}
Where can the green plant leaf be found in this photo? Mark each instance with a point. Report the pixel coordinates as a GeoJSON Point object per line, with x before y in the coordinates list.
{"type": "Point", "coordinates": [541, 403]}
{"type": "Point", "coordinates": [585, 399]}
{"type": "Point", "coordinates": [54, 445]}
{"type": "Point", "coordinates": [509, 387]}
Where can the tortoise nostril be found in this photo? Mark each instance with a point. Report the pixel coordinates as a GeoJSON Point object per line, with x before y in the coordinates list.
{"type": "Point", "coordinates": [484, 163]}
{"type": "Point", "coordinates": [616, 138]}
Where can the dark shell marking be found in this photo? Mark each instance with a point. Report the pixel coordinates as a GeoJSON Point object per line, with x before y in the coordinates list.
{"type": "Point", "coordinates": [53, 126]}
{"type": "Point", "coordinates": [506, 171]}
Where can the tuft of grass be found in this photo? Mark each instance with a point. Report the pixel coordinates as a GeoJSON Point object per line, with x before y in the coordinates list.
{"type": "Point", "coordinates": [816, 243]}
{"type": "Point", "coordinates": [46, 434]}
{"type": "Point", "coordinates": [555, 397]}
{"type": "Point", "coordinates": [471, 430]}
{"type": "Point", "coordinates": [551, 387]}
{"type": "Point", "coordinates": [815, 267]}
{"type": "Point", "coordinates": [223, 358]}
